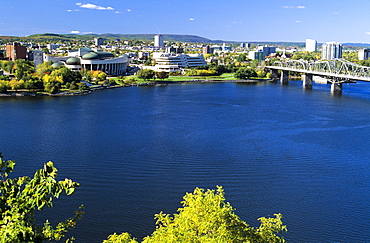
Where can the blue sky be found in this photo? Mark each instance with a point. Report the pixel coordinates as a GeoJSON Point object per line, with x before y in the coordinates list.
{"type": "Point", "coordinates": [243, 20]}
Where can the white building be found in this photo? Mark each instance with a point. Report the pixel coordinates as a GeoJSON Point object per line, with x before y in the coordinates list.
{"type": "Point", "coordinates": [364, 54]}
{"type": "Point", "coordinates": [170, 62]}
{"type": "Point", "coordinates": [85, 58]}
{"type": "Point", "coordinates": [331, 50]}
{"type": "Point", "coordinates": [158, 41]}
{"type": "Point", "coordinates": [53, 46]}
{"type": "Point", "coordinates": [311, 45]}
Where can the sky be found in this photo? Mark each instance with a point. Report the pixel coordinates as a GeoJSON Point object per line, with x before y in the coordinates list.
{"type": "Point", "coordinates": [231, 20]}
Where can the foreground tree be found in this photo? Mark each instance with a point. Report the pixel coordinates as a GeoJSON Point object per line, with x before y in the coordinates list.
{"type": "Point", "coordinates": [206, 217]}
{"type": "Point", "coordinates": [21, 197]}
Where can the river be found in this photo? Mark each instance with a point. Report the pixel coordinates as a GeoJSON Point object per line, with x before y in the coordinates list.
{"type": "Point", "coordinates": [136, 151]}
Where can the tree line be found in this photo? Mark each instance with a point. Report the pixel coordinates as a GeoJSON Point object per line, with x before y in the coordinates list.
{"type": "Point", "coordinates": [45, 78]}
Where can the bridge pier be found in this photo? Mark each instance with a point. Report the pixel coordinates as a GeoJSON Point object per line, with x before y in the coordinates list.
{"type": "Point", "coordinates": [274, 74]}
{"type": "Point", "coordinates": [284, 77]}
{"type": "Point", "coordinates": [307, 80]}
{"type": "Point", "coordinates": [336, 87]}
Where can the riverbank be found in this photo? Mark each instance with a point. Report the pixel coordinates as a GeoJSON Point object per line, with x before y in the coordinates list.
{"type": "Point", "coordinates": [23, 93]}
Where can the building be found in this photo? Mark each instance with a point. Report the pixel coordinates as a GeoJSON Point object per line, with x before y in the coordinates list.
{"type": "Point", "coordinates": [175, 49]}
{"type": "Point", "coordinates": [331, 50]}
{"type": "Point", "coordinates": [37, 56]}
{"type": "Point", "coordinates": [16, 51]}
{"type": "Point", "coordinates": [158, 41]}
{"type": "Point", "coordinates": [169, 62]}
{"type": "Point", "coordinates": [207, 50]}
{"type": "Point", "coordinates": [311, 45]}
{"type": "Point", "coordinates": [267, 50]}
{"type": "Point", "coordinates": [98, 41]}
{"type": "Point", "coordinates": [85, 58]}
{"type": "Point", "coordinates": [53, 46]}
{"type": "Point", "coordinates": [245, 45]}
{"type": "Point", "coordinates": [256, 55]}
{"type": "Point", "coordinates": [364, 54]}
{"type": "Point", "coordinates": [225, 48]}
{"type": "Point", "coordinates": [261, 52]}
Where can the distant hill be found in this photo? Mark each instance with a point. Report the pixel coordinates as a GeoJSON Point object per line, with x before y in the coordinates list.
{"type": "Point", "coordinates": [50, 37]}
{"type": "Point", "coordinates": [109, 36]}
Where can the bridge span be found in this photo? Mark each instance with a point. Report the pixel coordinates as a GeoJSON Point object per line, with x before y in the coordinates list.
{"type": "Point", "coordinates": [336, 72]}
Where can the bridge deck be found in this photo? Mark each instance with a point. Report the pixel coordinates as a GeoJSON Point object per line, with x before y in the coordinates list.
{"type": "Point", "coordinates": [325, 74]}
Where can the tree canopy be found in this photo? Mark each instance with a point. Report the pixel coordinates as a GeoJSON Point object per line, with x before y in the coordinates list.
{"type": "Point", "coordinates": [207, 217]}
{"type": "Point", "coordinates": [21, 197]}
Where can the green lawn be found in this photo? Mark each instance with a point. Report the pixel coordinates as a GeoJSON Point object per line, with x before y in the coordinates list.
{"type": "Point", "coordinates": [223, 77]}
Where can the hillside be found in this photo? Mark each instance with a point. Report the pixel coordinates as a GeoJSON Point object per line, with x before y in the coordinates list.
{"type": "Point", "coordinates": [53, 38]}
{"type": "Point", "coordinates": [109, 36]}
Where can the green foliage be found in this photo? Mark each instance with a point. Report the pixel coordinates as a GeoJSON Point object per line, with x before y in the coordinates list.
{"type": "Point", "coordinates": [82, 86]}
{"type": "Point", "coordinates": [7, 66]}
{"type": "Point", "coordinates": [4, 86]}
{"type": "Point", "coordinates": [162, 75]}
{"type": "Point", "coordinates": [66, 74]}
{"type": "Point", "coordinates": [23, 69]}
{"type": "Point", "coordinates": [99, 76]}
{"type": "Point", "coordinates": [20, 197]}
{"type": "Point", "coordinates": [122, 238]}
{"type": "Point", "coordinates": [306, 55]}
{"type": "Point", "coordinates": [207, 217]}
{"type": "Point", "coordinates": [195, 72]}
{"type": "Point", "coordinates": [130, 80]}
{"type": "Point", "coordinates": [44, 68]}
{"type": "Point", "coordinates": [33, 84]}
{"type": "Point", "coordinates": [241, 58]}
{"type": "Point", "coordinates": [146, 74]}
{"type": "Point", "coordinates": [245, 73]}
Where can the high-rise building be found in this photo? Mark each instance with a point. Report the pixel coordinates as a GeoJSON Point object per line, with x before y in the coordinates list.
{"type": "Point", "coordinates": [311, 45]}
{"type": "Point", "coordinates": [207, 50]}
{"type": "Point", "coordinates": [331, 50]}
{"type": "Point", "coordinates": [16, 51]}
{"type": "Point", "coordinates": [158, 41]}
{"type": "Point", "coordinates": [364, 54]}
{"type": "Point", "coordinates": [267, 50]}
{"type": "Point", "coordinates": [98, 41]}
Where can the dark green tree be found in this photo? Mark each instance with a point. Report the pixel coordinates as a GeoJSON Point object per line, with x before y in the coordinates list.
{"type": "Point", "coordinates": [162, 75]}
{"type": "Point", "coordinates": [245, 73]}
{"type": "Point", "coordinates": [145, 74]}
{"type": "Point", "coordinates": [23, 69]}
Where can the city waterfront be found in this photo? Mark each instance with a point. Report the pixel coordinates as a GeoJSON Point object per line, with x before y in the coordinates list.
{"type": "Point", "coordinates": [136, 151]}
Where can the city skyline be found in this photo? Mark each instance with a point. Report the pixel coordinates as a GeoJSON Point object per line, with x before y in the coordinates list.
{"type": "Point", "coordinates": [244, 21]}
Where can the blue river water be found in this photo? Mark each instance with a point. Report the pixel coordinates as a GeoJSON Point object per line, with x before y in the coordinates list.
{"type": "Point", "coordinates": [136, 151]}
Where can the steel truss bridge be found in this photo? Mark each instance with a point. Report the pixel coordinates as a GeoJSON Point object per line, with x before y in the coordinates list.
{"type": "Point", "coordinates": [336, 71]}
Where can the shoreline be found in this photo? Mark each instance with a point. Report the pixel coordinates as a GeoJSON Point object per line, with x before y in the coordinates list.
{"type": "Point", "coordinates": [66, 93]}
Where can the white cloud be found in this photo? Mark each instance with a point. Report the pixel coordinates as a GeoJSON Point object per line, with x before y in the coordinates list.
{"type": "Point", "coordinates": [75, 32]}
{"type": "Point", "coordinates": [298, 21]}
{"type": "Point", "coordinates": [191, 19]}
{"type": "Point", "coordinates": [117, 12]}
{"type": "Point", "coordinates": [93, 6]}
{"type": "Point", "coordinates": [335, 13]}
{"type": "Point", "coordinates": [300, 7]}
{"type": "Point", "coordinates": [74, 10]}
{"type": "Point", "coordinates": [367, 33]}
{"type": "Point", "coordinates": [128, 10]}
